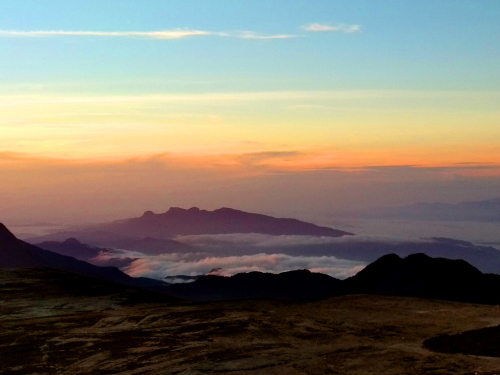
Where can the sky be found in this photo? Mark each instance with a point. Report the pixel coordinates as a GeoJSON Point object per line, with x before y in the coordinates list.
{"type": "Point", "coordinates": [108, 108]}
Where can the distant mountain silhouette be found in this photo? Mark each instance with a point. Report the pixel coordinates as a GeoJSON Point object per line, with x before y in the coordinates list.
{"type": "Point", "coordinates": [178, 221]}
{"type": "Point", "coordinates": [15, 253]}
{"type": "Point", "coordinates": [476, 211]}
{"type": "Point", "coordinates": [193, 221]}
{"type": "Point", "coordinates": [296, 285]}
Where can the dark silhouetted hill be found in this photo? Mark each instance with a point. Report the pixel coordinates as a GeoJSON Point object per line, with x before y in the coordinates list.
{"type": "Point", "coordinates": [419, 275]}
{"type": "Point", "coordinates": [15, 253]}
{"type": "Point", "coordinates": [295, 285]}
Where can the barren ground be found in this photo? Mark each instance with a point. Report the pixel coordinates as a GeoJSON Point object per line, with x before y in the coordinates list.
{"type": "Point", "coordinates": [44, 329]}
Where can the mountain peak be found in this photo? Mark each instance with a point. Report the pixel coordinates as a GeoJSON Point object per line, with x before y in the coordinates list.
{"type": "Point", "coordinates": [72, 241]}
{"type": "Point", "coordinates": [228, 209]}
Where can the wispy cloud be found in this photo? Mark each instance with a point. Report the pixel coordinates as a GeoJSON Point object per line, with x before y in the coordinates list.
{"type": "Point", "coordinates": [161, 34]}
{"type": "Point", "coordinates": [262, 96]}
{"type": "Point", "coordinates": [258, 240]}
{"type": "Point", "coordinates": [254, 35]}
{"type": "Point", "coordinates": [343, 28]}
{"type": "Point", "coordinates": [215, 96]}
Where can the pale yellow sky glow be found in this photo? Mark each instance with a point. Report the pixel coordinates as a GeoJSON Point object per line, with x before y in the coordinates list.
{"type": "Point", "coordinates": [344, 128]}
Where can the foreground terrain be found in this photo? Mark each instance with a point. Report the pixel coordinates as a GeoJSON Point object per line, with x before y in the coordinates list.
{"type": "Point", "coordinates": [52, 322]}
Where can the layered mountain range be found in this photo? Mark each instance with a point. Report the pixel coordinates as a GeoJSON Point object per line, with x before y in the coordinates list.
{"type": "Point", "coordinates": [417, 275]}
{"type": "Point", "coordinates": [155, 234]}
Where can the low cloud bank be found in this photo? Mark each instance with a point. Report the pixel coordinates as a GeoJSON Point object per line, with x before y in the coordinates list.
{"type": "Point", "coordinates": [269, 241]}
{"type": "Point", "coordinates": [193, 264]}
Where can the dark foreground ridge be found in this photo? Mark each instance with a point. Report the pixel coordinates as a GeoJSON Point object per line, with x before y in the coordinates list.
{"type": "Point", "coordinates": [39, 283]}
{"type": "Point", "coordinates": [15, 253]}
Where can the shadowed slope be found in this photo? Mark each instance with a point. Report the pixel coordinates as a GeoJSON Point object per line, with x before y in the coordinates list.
{"type": "Point", "coordinates": [15, 253]}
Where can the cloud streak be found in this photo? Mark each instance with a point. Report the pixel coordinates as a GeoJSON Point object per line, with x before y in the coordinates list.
{"type": "Point", "coordinates": [338, 95]}
{"type": "Point", "coordinates": [254, 35]}
{"type": "Point", "coordinates": [159, 35]}
{"type": "Point", "coordinates": [162, 34]}
{"type": "Point", "coordinates": [342, 28]}
{"type": "Point", "coordinates": [267, 241]}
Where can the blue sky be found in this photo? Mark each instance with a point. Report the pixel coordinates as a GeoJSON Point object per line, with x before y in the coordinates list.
{"type": "Point", "coordinates": [431, 45]}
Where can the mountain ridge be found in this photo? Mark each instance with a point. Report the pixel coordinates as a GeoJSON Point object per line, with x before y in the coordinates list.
{"type": "Point", "coordinates": [195, 221]}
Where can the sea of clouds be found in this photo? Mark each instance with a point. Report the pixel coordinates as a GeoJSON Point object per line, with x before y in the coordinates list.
{"type": "Point", "coordinates": [194, 264]}
{"type": "Point", "coordinates": [230, 254]}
